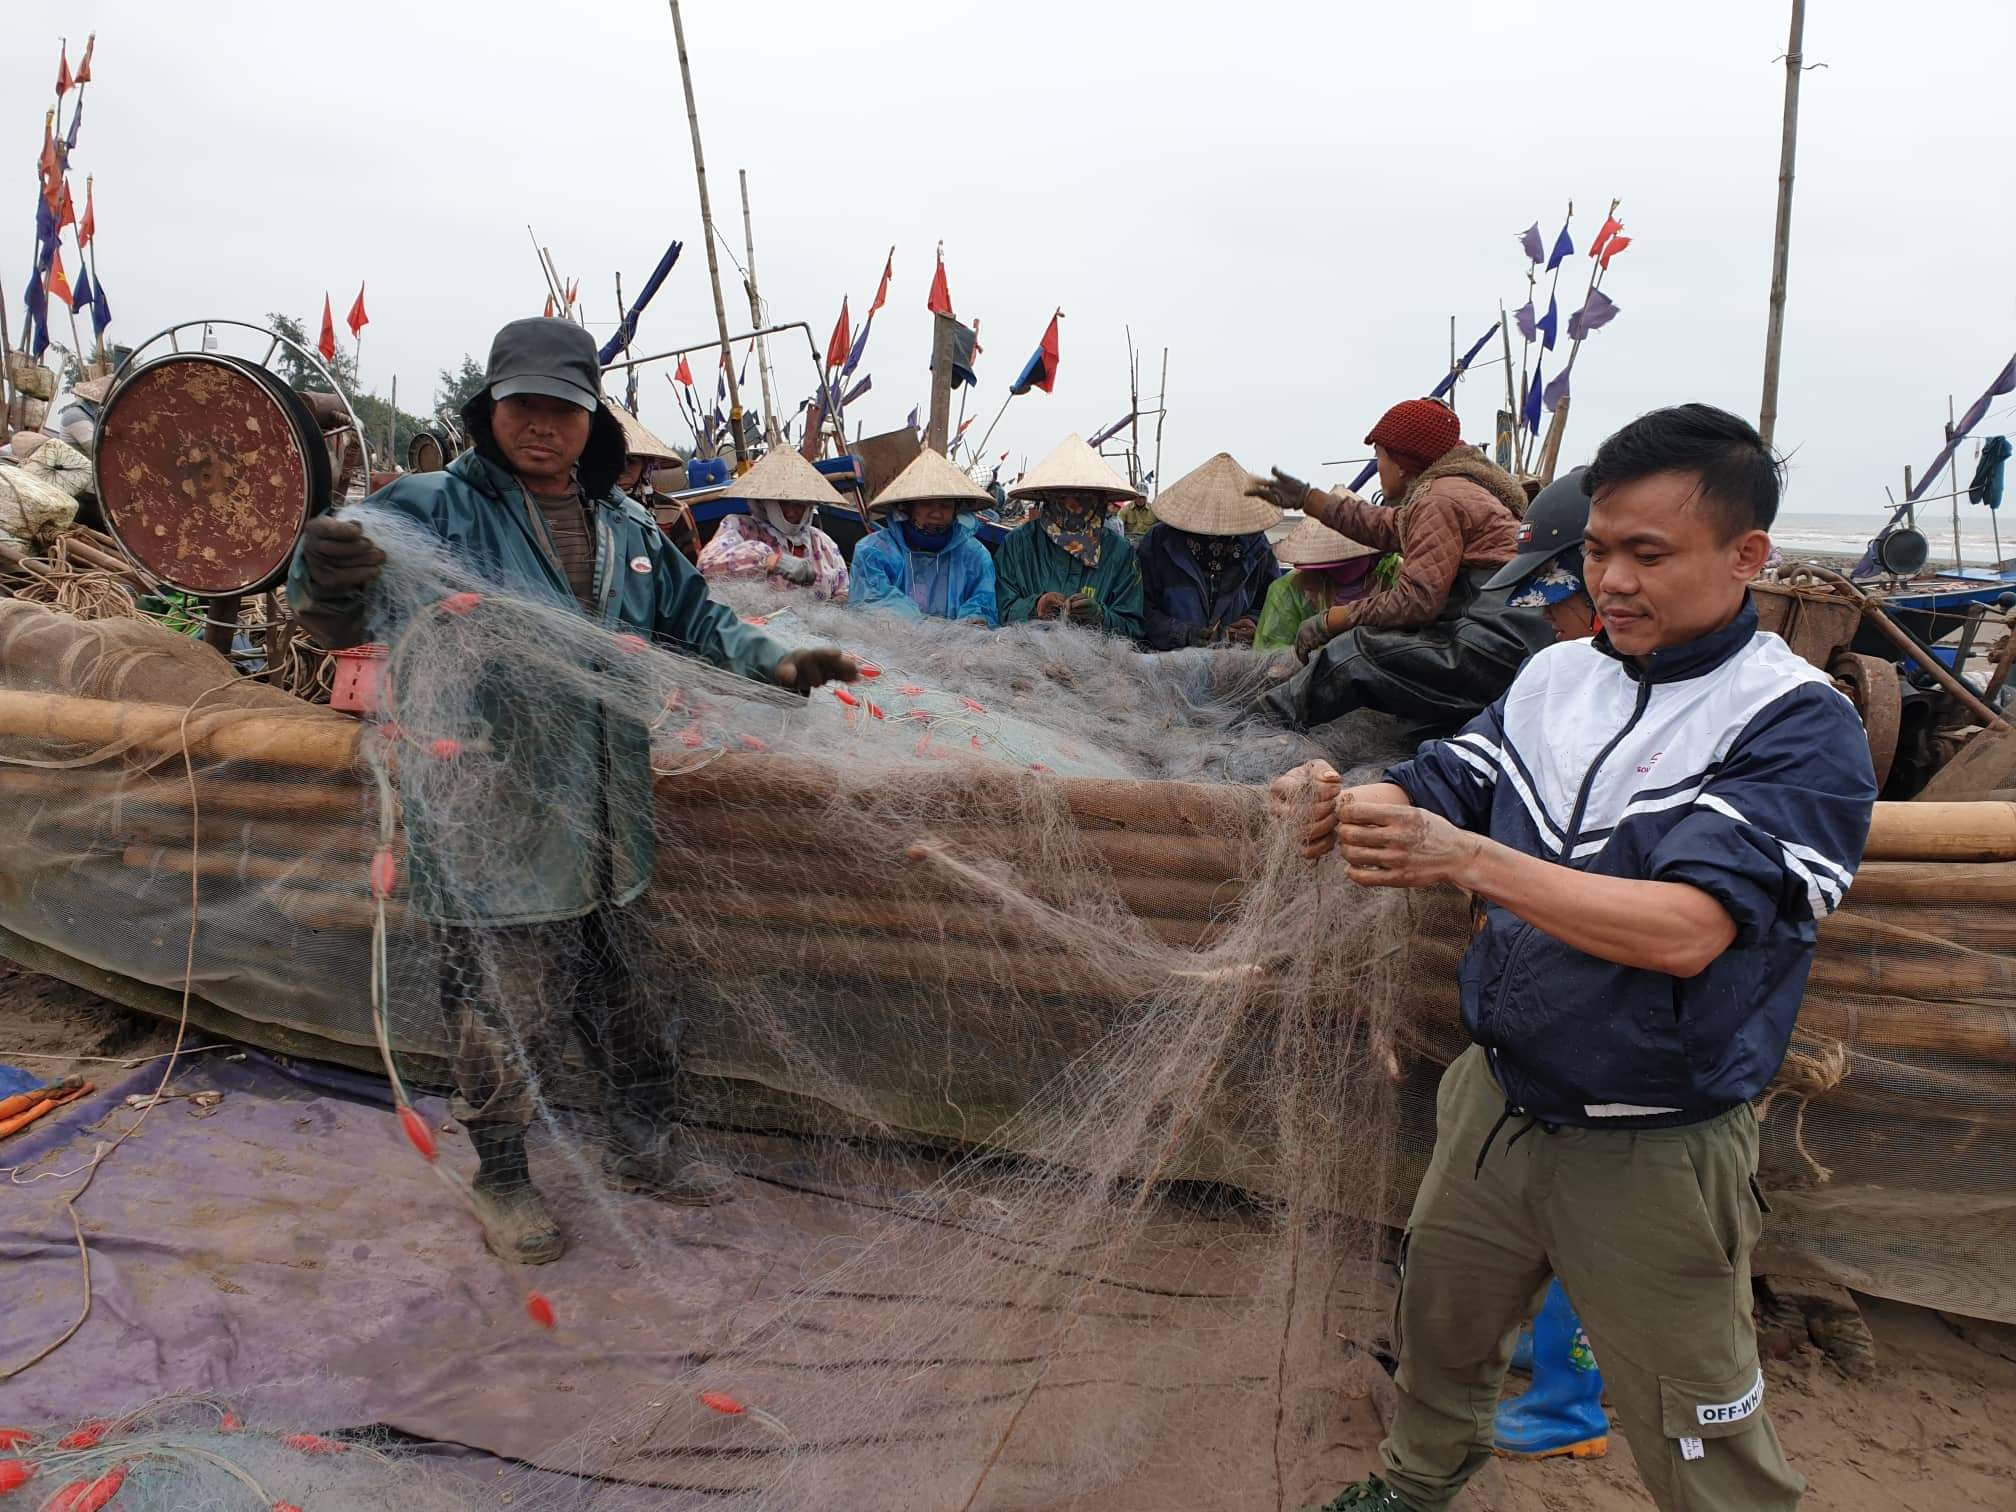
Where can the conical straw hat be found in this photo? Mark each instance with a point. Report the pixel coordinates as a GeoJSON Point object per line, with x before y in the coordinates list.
{"type": "Point", "coordinates": [1212, 500]}
{"type": "Point", "coordinates": [637, 439]}
{"type": "Point", "coordinates": [784, 477]}
{"type": "Point", "coordinates": [1073, 466]}
{"type": "Point", "coordinates": [931, 476]}
{"type": "Point", "coordinates": [1312, 543]}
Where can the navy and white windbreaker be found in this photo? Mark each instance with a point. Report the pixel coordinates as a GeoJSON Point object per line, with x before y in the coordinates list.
{"type": "Point", "coordinates": [1728, 764]}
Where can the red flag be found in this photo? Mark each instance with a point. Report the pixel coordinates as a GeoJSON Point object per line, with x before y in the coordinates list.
{"type": "Point", "coordinates": [50, 166]}
{"type": "Point", "coordinates": [843, 338]}
{"type": "Point", "coordinates": [573, 289]}
{"type": "Point", "coordinates": [327, 345]}
{"type": "Point", "coordinates": [882, 290]}
{"type": "Point", "coordinates": [1610, 228]}
{"type": "Point", "coordinates": [1617, 244]}
{"type": "Point", "coordinates": [66, 209]}
{"type": "Point", "coordinates": [357, 319]}
{"type": "Point", "coordinates": [549, 306]}
{"type": "Point", "coordinates": [940, 302]}
{"type": "Point", "coordinates": [87, 227]}
{"type": "Point", "coordinates": [685, 373]}
{"type": "Point", "coordinates": [84, 63]}
{"type": "Point", "coordinates": [58, 286]}
{"type": "Point", "coordinates": [63, 79]}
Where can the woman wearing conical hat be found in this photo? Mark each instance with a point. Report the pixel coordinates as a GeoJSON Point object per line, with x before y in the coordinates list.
{"type": "Point", "coordinates": [1205, 563]}
{"type": "Point", "coordinates": [1064, 564]}
{"type": "Point", "coordinates": [928, 560]}
{"type": "Point", "coordinates": [779, 540]}
{"type": "Point", "coordinates": [1325, 568]}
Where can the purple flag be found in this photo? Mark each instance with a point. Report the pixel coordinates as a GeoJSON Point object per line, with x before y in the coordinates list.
{"type": "Point", "coordinates": [1100, 438]}
{"type": "Point", "coordinates": [1531, 408]}
{"type": "Point", "coordinates": [1530, 240]}
{"type": "Point", "coordinates": [913, 417]}
{"type": "Point", "coordinates": [1523, 318]}
{"type": "Point", "coordinates": [1563, 247]}
{"type": "Point", "coordinates": [1551, 324]}
{"type": "Point", "coordinates": [1557, 391]}
{"type": "Point", "coordinates": [860, 345]}
{"type": "Point", "coordinates": [1596, 312]}
{"type": "Point", "coordinates": [867, 382]}
{"type": "Point", "coordinates": [76, 120]}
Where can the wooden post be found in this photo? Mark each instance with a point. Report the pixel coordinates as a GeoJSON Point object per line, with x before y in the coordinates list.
{"type": "Point", "coordinates": [940, 424]}
{"type": "Point", "coordinates": [1781, 246]}
{"type": "Point", "coordinates": [392, 429]}
{"type": "Point", "coordinates": [6, 370]}
{"type": "Point", "coordinates": [756, 321]}
{"type": "Point", "coordinates": [1953, 479]}
{"type": "Point", "coordinates": [1550, 453]}
{"type": "Point", "coordinates": [1161, 414]}
{"type": "Point", "coordinates": [707, 233]}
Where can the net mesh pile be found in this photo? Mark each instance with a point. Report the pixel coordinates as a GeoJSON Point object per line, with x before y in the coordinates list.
{"type": "Point", "coordinates": [1001, 945]}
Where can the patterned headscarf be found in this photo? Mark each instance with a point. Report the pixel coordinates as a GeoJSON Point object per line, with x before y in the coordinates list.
{"type": "Point", "coordinates": [1077, 522]}
{"type": "Point", "coordinates": [1213, 553]}
{"type": "Point", "coordinates": [771, 513]}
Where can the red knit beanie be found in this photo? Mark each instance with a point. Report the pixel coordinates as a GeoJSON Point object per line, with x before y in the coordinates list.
{"type": "Point", "coordinates": [1418, 432]}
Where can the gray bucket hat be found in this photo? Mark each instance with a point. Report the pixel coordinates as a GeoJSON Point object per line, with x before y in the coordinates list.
{"type": "Point", "coordinates": [544, 355]}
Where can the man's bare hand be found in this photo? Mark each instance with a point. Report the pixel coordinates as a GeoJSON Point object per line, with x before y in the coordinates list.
{"type": "Point", "coordinates": [1049, 606]}
{"type": "Point", "coordinates": [1306, 800]}
{"type": "Point", "coordinates": [814, 667]}
{"type": "Point", "coordinates": [1391, 845]}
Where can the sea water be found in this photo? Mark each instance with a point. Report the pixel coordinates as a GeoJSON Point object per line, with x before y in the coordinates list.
{"type": "Point", "coordinates": [1847, 532]}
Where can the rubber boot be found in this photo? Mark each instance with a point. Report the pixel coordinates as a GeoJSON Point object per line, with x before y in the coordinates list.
{"type": "Point", "coordinates": [516, 1225]}
{"type": "Point", "coordinates": [1562, 1411]}
{"type": "Point", "coordinates": [651, 1152]}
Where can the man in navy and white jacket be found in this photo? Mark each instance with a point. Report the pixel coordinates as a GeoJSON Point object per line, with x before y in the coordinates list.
{"type": "Point", "coordinates": [1651, 825]}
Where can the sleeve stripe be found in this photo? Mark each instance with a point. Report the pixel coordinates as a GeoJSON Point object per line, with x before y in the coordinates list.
{"type": "Point", "coordinates": [1473, 760]}
{"type": "Point", "coordinates": [1823, 891]}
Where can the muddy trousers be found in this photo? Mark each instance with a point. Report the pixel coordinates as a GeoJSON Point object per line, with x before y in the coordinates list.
{"type": "Point", "coordinates": [1650, 1232]}
{"type": "Point", "coordinates": [509, 995]}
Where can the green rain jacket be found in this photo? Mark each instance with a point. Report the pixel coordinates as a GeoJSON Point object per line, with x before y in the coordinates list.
{"type": "Point", "coordinates": [574, 826]}
{"type": "Point", "coordinates": [1029, 564]}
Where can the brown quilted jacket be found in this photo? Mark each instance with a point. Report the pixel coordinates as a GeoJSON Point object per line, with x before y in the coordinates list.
{"type": "Point", "coordinates": [1459, 513]}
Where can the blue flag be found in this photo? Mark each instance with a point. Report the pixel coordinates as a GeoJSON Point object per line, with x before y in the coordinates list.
{"type": "Point", "coordinates": [1530, 240]}
{"type": "Point", "coordinates": [1523, 318]}
{"type": "Point", "coordinates": [913, 417]}
{"type": "Point", "coordinates": [1551, 324]}
{"type": "Point", "coordinates": [626, 328]}
{"type": "Point", "coordinates": [76, 120]}
{"type": "Point", "coordinates": [80, 293]}
{"type": "Point", "coordinates": [101, 310]}
{"type": "Point", "coordinates": [1563, 247]}
{"type": "Point", "coordinates": [1531, 408]}
{"type": "Point", "coordinates": [867, 382]}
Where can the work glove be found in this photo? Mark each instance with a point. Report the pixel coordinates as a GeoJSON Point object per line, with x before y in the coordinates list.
{"type": "Point", "coordinates": [802, 671]}
{"type": "Point", "coordinates": [1283, 490]}
{"type": "Point", "coordinates": [795, 569]}
{"type": "Point", "coordinates": [1241, 632]}
{"type": "Point", "coordinates": [1083, 609]}
{"type": "Point", "coordinates": [1312, 635]}
{"type": "Point", "coordinates": [1049, 606]}
{"type": "Point", "coordinates": [341, 558]}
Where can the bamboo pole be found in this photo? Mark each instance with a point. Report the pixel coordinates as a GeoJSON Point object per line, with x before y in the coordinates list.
{"type": "Point", "coordinates": [1942, 832]}
{"type": "Point", "coordinates": [756, 317]}
{"type": "Point", "coordinates": [1781, 242]}
{"type": "Point", "coordinates": [314, 738]}
{"type": "Point", "coordinates": [707, 234]}
{"type": "Point", "coordinates": [1161, 414]}
{"type": "Point", "coordinates": [1953, 461]}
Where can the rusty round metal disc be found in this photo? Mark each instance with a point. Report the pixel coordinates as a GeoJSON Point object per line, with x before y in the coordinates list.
{"type": "Point", "coordinates": [424, 453]}
{"type": "Point", "coordinates": [207, 472]}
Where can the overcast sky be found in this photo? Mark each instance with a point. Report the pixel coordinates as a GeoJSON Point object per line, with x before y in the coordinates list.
{"type": "Point", "coordinates": [1294, 199]}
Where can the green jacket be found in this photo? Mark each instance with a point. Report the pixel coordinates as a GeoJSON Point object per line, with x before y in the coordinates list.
{"type": "Point", "coordinates": [574, 798]}
{"type": "Point", "coordinates": [1291, 599]}
{"type": "Point", "coordinates": [1029, 564]}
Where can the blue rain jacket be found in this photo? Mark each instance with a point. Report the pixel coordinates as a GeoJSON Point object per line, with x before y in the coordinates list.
{"type": "Point", "coordinates": [956, 583]}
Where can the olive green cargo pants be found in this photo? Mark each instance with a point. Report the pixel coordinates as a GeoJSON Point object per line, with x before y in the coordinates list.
{"type": "Point", "coordinates": [1650, 1232]}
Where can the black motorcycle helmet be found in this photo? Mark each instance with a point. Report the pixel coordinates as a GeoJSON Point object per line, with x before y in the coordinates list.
{"type": "Point", "coordinates": [1553, 527]}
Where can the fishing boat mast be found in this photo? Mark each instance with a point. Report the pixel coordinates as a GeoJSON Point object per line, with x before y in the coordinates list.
{"type": "Point", "coordinates": [1781, 246]}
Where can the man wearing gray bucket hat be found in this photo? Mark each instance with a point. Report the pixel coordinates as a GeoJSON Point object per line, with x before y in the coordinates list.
{"type": "Point", "coordinates": [525, 950]}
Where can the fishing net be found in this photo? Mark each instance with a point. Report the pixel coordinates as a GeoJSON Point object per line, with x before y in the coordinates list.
{"type": "Point", "coordinates": [1098, 1095]}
